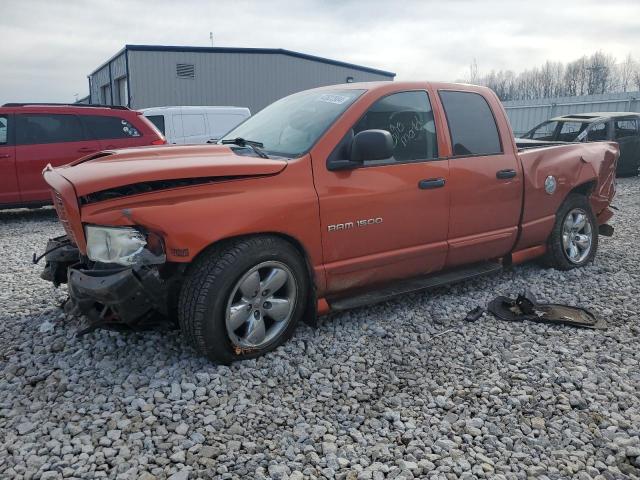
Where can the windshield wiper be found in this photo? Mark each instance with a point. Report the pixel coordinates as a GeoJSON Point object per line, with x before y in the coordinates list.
{"type": "Point", "coordinates": [241, 142]}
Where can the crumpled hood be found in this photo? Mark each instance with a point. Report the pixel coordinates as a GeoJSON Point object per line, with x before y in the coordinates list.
{"type": "Point", "coordinates": [118, 168]}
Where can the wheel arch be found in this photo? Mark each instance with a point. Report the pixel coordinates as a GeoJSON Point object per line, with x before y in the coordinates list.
{"type": "Point", "coordinates": [585, 188]}
{"type": "Point", "coordinates": [311, 314]}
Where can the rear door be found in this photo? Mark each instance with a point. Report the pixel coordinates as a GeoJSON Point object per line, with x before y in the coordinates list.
{"type": "Point", "coordinates": [9, 191]}
{"type": "Point", "coordinates": [387, 219]}
{"type": "Point", "coordinates": [43, 138]}
{"type": "Point", "coordinates": [485, 180]}
{"type": "Point", "coordinates": [176, 127]}
{"type": "Point", "coordinates": [112, 131]}
{"type": "Point", "coordinates": [194, 128]}
{"type": "Point", "coordinates": [625, 132]}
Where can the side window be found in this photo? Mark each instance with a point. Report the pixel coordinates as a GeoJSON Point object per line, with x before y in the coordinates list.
{"type": "Point", "coordinates": [597, 133]}
{"type": "Point", "coordinates": [193, 125]}
{"type": "Point", "coordinates": [34, 129]}
{"type": "Point", "coordinates": [570, 131]}
{"type": "Point", "coordinates": [625, 128]}
{"type": "Point", "coordinates": [4, 130]}
{"type": "Point", "coordinates": [158, 121]}
{"type": "Point", "coordinates": [472, 126]}
{"type": "Point", "coordinates": [544, 131]}
{"type": "Point", "coordinates": [409, 119]}
{"type": "Point", "coordinates": [104, 128]}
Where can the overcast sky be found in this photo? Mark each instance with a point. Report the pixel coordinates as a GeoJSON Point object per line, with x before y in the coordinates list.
{"type": "Point", "coordinates": [50, 46]}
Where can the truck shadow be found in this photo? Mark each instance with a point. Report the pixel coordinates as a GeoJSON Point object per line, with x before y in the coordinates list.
{"type": "Point", "coordinates": [27, 214]}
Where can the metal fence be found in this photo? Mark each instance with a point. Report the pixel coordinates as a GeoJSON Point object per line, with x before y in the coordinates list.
{"type": "Point", "coordinates": [526, 114]}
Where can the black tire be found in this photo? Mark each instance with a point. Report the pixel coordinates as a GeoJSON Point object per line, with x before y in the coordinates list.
{"type": "Point", "coordinates": [211, 280]}
{"type": "Point", "coordinates": [628, 169]}
{"type": "Point", "coordinates": [556, 256]}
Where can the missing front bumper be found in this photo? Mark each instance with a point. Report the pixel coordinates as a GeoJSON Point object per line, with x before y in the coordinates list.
{"type": "Point", "coordinates": [117, 298]}
{"type": "Point", "coordinates": [106, 296]}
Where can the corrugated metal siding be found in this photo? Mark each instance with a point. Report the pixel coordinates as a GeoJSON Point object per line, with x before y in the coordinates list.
{"type": "Point", "coordinates": [100, 78]}
{"type": "Point", "coordinates": [526, 114]}
{"type": "Point", "coordinates": [119, 67]}
{"type": "Point", "coordinates": [230, 79]}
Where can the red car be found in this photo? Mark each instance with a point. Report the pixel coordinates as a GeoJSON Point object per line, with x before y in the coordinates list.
{"type": "Point", "coordinates": [35, 135]}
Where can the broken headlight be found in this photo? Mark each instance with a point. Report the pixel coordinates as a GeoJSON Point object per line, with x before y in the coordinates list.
{"type": "Point", "coordinates": [121, 245]}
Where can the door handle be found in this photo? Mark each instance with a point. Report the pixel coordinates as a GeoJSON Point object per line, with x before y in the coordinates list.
{"type": "Point", "coordinates": [505, 174]}
{"type": "Point", "coordinates": [5, 155]}
{"type": "Point", "coordinates": [430, 183]}
{"type": "Point", "coordinates": [86, 150]}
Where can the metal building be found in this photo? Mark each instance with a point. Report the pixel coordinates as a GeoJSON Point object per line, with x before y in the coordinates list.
{"type": "Point", "coordinates": [526, 114]}
{"type": "Point", "coordinates": [141, 76]}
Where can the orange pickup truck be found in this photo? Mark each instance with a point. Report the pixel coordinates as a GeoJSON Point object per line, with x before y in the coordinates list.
{"type": "Point", "coordinates": [325, 200]}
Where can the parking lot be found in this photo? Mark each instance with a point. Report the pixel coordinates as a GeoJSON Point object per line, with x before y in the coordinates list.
{"type": "Point", "coordinates": [372, 393]}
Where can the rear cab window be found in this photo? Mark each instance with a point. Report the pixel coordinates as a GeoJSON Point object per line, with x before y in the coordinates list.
{"type": "Point", "coordinates": [472, 126]}
{"type": "Point", "coordinates": [627, 127]}
{"type": "Point", "coordinates": [108, 128]}
{"type": "Point", "coordinates": [35, 128]}
{"type": "Point", "coordinates": [158, 121]}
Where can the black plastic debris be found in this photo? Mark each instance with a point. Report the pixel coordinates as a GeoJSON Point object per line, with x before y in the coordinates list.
{"type": "Point", "coordinates": [475, 314]}
{"type": "Point", "coordinates": [525, 307]}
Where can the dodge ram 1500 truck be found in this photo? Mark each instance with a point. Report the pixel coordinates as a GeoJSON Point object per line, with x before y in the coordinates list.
{"type": "Point", "coordinates": [325, 200]}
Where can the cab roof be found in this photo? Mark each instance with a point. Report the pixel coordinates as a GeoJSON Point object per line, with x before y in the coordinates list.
{"type": "Point", "coordinates": [592, 117]}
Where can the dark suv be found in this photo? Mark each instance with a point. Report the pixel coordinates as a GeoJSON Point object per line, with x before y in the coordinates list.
{"type": "Point", "coordinates": [620, 127]}
{"type": "Point", "coordinates": [35, 135]}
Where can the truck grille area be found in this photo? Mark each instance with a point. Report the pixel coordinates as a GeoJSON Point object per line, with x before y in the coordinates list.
{"type": "Point", "coordinates": [62, 216]}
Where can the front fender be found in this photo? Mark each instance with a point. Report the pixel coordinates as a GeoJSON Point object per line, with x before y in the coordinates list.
{"type": "Point", "coordinates": [192, 218]}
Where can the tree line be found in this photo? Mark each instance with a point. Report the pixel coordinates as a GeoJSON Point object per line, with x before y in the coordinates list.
{"type": "Point", "coordinates": [588, 75]}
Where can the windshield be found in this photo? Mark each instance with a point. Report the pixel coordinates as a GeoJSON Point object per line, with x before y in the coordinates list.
{"type": "Point", "coordinates": [564, 131]}
{"type": "Point", "coordinates": [292, 125]}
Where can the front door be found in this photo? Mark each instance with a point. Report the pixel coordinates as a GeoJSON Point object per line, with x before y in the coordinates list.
{"type": "Point", "coordinates": [388, 218]}
{"type": "Point", "coordinates": [43, 138]}
{"type": "Point", "coordinates": [9, 191]}
{"type": "Point", "coordinates": [625, 132]}
{"type": "Point", "coordinates": [485, 180]}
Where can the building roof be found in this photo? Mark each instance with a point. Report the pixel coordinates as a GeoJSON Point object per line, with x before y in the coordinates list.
{"type": "Point", "coordinates": [271, 51]}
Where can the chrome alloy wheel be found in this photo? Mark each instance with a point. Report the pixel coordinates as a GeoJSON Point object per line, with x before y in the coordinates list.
{"type": "Point", "coordinates": [261, 305]}
{"type": "Point", "coordinates": [577, 235]}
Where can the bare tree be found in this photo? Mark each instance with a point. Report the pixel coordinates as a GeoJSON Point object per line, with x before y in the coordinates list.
{"type": "Point", "coordinates": [597, 73]}
{"type": "Point", "coordinates": [624, 73]}
{"type": "Point", "coordinates": [636, 77]}
{"type": "Point", "coordinates": [473, 72]}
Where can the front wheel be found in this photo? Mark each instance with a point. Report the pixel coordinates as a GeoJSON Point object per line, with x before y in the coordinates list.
{"type": "Point", "coordinates": [244, 299]}
{"type": "Point", "coordinates": [574, 239]}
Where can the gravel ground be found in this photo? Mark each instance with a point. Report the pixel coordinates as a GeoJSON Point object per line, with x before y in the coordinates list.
{"type": "Point", "coordinates": [371, 394]}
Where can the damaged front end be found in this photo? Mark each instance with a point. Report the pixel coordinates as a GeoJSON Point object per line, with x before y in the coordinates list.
{"type": "Point", "coordinates": [120, 284]}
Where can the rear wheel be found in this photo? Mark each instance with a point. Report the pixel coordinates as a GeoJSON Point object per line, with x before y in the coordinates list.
{"type": "Point", "coordinates": [574, 239]}
{"type": "Point", "coordinates": [629, 168]}
{"type": "Point", "coordinates": [244, 299]}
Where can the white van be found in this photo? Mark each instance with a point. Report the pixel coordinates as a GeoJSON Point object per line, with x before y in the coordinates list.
{"type": "Point", "coordinates": [184, 125]}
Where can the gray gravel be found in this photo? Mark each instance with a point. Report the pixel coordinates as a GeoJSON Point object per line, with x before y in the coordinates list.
{"type": "Point", "coordinates": [371, 394]}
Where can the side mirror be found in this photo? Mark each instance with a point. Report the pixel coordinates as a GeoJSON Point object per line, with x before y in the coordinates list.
{"type": "Point", "coordinates": [371, 145]}
{"type": "Point", "coordinates": [366, 145]}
